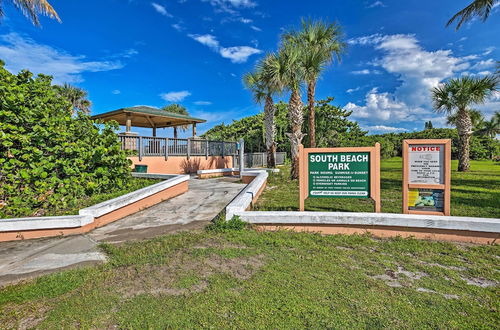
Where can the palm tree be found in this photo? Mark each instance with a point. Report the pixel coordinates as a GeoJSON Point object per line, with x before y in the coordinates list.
{"type": "Point", "coordinates": [476, 118]}
{"type": "Point", "coordinates": [457, 95]}
{"type": "Point", "coordinates": [491, 127]}
{"type": "Point", "coordinates": [478, 8]}
{"type": "Point", "coordinates": [33, 8]}
{"type": "Point", "coordinates": [77, 96]}
{"type": "Point", "coordinates": [285, 69]}
{"type": "Point", "coordinates": [263, 88]}
{"type": "Point", "coordinates": [320, 43]}
{"type": "Point", "coordinates": [178, 109]}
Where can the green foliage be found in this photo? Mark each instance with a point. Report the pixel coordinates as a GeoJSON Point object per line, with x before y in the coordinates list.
{"type": "Point", "coordinates": [333, 128]}
{"type": "Point", "coordinates": [48, 159]}
{"type": "Point", "coordinates": [222, 225]}
{"type": "Point", "coordinates": [481, 147]}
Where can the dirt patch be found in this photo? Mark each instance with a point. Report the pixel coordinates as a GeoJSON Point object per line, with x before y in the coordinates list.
{"type": "Point", "coordinates": [447, 296]}
{"type": "Point", "coordinates": [393, 278]}
{"type": "Point", "coordinates": [434, 264]}
{"type": "Point", "coordinates": [163, 279]}
{"type": "Point", "coordinates": [479, 281]}
{"type": "Point", "coordinates": [23, 316]}
{"type": "Point", "coordinates": [219, 244]}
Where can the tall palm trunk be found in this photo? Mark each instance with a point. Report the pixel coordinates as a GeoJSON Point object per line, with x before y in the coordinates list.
{"type": "Point", "coordinates": [296, 120]}
{"type": "Point", "coordinates": [464, 128]}
{"type": "Point", "coordinates": [270, 131]}
{"type": "Point", "coordinates": [311, 91]}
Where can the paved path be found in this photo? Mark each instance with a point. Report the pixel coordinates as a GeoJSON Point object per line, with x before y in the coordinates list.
{"type": "Point", "coordinates": [192, 210]}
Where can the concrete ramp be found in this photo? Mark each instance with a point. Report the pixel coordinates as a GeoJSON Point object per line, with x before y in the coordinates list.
{"type": "Point", "coordinates": [191, 210]}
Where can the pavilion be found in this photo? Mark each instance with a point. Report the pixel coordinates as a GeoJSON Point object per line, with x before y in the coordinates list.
{"type": "Point", "coordinates": [149, 117]}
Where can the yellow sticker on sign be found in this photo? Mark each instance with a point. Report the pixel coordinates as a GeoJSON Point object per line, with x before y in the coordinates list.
{"type": "Point", "coordinates": [412, 197]}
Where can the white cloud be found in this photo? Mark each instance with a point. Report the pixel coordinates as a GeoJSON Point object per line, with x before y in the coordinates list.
{"type": "Point", "coordinates": [175, 96]}
{"type": "Point", "coordinates": [229, 5]}
{"type": "Point", "coordinates": [245, 20]}
{"type": "Point", "coordinates": [161, 9]}
{"type": "Point", "coordinates": [21, 52]}
{"type": "Point", "coordinates": [237, 54]}
{"type": "Point", "coordinates": [207, 40]}
{"type": "Point", "coordinates": [202, 103]}
{"type": "Point", "coordinates": [255, 28]}
{"type": "Point", "coordinates": [384, 129]}
{"type": "Point", "coordinates": [365, 71]}
{"type": "Point", "coordinates": [178, 27]}
{"type": "Point", "coordinates": [417, 71]}
{"type": "Point", "coordinates": [115, 92]}
{"type": "Point", "coordinates": [376, 4]}
{"type": "Point", "coordinates": [489, 50]}
{"type": "Point", "coordinates": [352, 90]}
{"type": "Point", "coordinates": [481, 65]}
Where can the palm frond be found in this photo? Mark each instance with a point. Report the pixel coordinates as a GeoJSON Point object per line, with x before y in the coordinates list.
{"type": "Point", "coordinates": [478, 8]}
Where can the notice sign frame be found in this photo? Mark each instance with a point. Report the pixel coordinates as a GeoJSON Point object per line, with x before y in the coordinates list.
{"type": "Point", "coordinates": [345, 167]}
{"type": "Point", "coordinates": [427, 176]}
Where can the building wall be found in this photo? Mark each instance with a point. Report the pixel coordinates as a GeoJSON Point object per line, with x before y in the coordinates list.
{"type": "Point", "coordinates": [182, 165]}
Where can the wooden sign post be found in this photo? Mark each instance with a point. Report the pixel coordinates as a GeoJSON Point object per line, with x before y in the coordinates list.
{"type": "Point", "coordinates": [426, 176]}
{"type": "Point", "coordinates": [339, 173]}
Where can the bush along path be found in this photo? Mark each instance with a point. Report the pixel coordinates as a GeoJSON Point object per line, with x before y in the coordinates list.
{"type": "Point", "coordinates": [230, 277]}
{"type": "Point", "coordinates": [50, 159]}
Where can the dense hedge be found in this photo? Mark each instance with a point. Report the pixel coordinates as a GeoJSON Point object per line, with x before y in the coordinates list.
{"type": "Point", "coordinates": [49, 159]}
{"type": "Point", "coordinates": [334, 129]}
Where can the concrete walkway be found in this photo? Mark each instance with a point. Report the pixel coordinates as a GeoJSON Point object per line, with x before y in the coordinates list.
{"type": "Point", "coordinates": [192, 210]}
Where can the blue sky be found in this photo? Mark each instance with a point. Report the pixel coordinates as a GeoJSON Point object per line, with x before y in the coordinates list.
{"type": "Point", "coordinates": [195, 52]}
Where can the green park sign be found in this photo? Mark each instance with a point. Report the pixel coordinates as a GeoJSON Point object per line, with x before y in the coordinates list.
{"type": "Point", "coordinates": [340, 173]}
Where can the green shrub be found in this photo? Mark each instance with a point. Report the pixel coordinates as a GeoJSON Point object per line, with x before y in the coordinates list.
{"type": "Point", "coordinates": [48, 158]}
{"type": "Point", "coordinates": [222, 225]}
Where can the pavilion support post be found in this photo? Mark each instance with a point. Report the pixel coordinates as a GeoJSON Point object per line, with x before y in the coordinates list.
{"type": "Point", "coordinates": [188, 148]}
{"type": "Point", "coordinates": [241, 156]}
{"type": "Point", "coordinates": [154, 131]}
{"type": "Point", "coordinates": [166, 148]}
{"type": "Point", "coordinates": [194, 129]}
{"type": "Point", "coordinates": [140, 148]}
{"type": "Point", "coordinates": [128, 123]}
{"type": "Point", "coordinates": [207, 147]}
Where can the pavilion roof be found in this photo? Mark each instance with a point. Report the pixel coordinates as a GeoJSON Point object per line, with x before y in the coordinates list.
{"type": "Point", "coordinates": [144, 116]}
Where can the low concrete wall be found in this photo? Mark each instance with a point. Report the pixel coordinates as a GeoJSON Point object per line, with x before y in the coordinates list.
{"type": "Point", "coordinates": [94, 216]}
{"type": "Point", "coordinates": [182, 165]}
{"type": "Point", "coordinates": [214, 173]}
{"type": "Point", "coordinates": [447, 228]}
{"type": "Point", "coordinates": [257, 181]}
{"type": "Point", "coordinates": [463, 229]}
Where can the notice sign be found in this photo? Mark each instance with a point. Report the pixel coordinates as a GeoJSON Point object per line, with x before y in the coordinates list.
{"type": "Point", "coordinates": [426, 163]}
{"type": "Point", "coordinates": [339, 174]}
{"type": "Point", "coordinates": [427, 176]}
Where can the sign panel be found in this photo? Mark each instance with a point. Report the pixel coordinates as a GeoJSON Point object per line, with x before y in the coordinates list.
{"type": "Point", "coordinates": [339, 174]}
{"type": "Point", "coordinates": [351, 172]}
{"type": "Point", "coordinates": [426, 176]}
{"type": "Point", "coordinates": [426, 163]}
{"type": "Point", "coordinates": [421, 199]}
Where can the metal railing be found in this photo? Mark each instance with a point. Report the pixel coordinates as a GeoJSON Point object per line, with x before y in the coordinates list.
{"type": "Point", "coordinates": [145, 146]}
{"type": "Point", "coordinates": [259, 159]}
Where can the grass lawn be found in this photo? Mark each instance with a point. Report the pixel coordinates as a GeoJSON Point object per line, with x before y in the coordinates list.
{"type": "Point", "coordinates": [475, 193]}
{"type": "Point", "coordinates": [134, 184]}
{"type": "Point", "coordinates": [275, 280]}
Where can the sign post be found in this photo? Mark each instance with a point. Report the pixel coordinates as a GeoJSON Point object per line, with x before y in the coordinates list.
{"type": "Point", "coordinates": [339, 173]}
{"type": "Point", "coordinates": [426, 176]}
